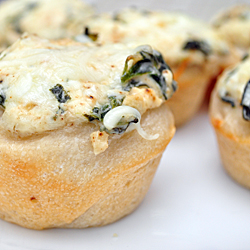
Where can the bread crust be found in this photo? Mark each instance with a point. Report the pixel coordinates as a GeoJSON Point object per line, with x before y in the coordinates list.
{"type": "Point", "coordinates": [55, 180]}
{"type": "Point", "coordinates": [233, 135]}
{"type": "Point", "coordinates": [129, 190]}
{"type": "Point", "coordinates": [193, 83]}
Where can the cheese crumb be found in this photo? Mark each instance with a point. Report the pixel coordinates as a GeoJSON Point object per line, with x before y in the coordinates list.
{"type": "Point", "coordinates": [142, 99]}
{"type": "Point", "coordinates": [99, 141]}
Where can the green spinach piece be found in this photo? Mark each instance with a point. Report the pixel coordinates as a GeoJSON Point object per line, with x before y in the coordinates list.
{"type": "Point", "coordinates": [60, 94]}
{"type": "Point", "coordinates": [199, 45]}
{"type": "Point", "coordinates": [98, 113]}
{"type": "Point", "coordinates": [245, 102]}
{"type": "Point", "coordinates": [2, 100]}
{"type": "Point", "coordinates": [245, 57]}
{"type": "Point", "coordinates": [227, 98]}
{"type": "Point", "coordinates": [146, 63]}
{"type": "Point", "coordinates": [92, 36]}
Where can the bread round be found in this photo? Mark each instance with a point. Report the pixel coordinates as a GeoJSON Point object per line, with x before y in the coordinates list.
{"type": "Point", "coordinates": [193, 50]}
{"type": "Point", "coordinates": [232, 130]}
{"type": "Point", "coordinates": [82, 130]}
{"type": "Point", "coordinates": [233, 137]}
{"type": "Point", "coordinates": [55, 179]}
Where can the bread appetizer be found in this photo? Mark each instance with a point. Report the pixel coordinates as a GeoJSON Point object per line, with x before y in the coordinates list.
{"type": "Point", "coordinates": [234, 26]}
{"type": "Point", "coordinates": [193, 50]}
{"type": "Point", "coordinates": [52, 19]}
{"type": "Point", "coordinates": [82, 130]}
{"type": "Point", "coordinates": [230, 116]}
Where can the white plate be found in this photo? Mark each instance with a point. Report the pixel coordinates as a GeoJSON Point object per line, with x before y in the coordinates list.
{"type": "Point", "coordinates": [192, 204]}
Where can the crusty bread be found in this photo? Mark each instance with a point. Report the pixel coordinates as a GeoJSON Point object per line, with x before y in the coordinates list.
{"type": "Point", "coordinates": [233, 134]}
{"type": "Point", "coordinates": [55, 180]}
{"type": "Point", "coordinates": [185, 103]}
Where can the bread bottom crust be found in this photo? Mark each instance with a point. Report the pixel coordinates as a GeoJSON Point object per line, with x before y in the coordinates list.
{"type": "Point", "coordinates": [126, 193]}
{"type": "Point", "coordinates": [233, 136]}
{"type": "Point", "coordinates": [187, 100]}
{"type": "Point", "coordinates": [235, 157]}
{"type": "Point", "coordinates": [56, 180]}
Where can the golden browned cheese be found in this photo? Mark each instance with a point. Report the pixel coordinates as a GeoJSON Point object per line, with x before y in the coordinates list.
{"type": "Point", "coordinates": [195, 52]}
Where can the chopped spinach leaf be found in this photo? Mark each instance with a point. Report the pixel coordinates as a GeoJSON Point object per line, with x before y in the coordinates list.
{"type": "Point", "coordinates": [90, 117]}
{"type": "Point", "coordinates": [134, 83]}
{"type": "Point", "coordinates": [201, 46]}
{"type": "Point", "coordinates": [246, 113]}
{"type": "Point", "coordinates": [245, 102]}
{"type": "Point", "coordinates": [174, 85]}
{"type": "Point", "coordinates": [140, 68]}
{"type": "Point", "coordinates": [146, 63]}
{"type": "Point", "coordinates": [92, 36]}
{"type": "Point", "coordinates": [115, 101]}
{"type": "Point", "coordinates": [98, 113]}
{"type": "Point", "coordinates": [2, 100]}
{"type": "Point", "coordinates": [116, 17]}
{"type": "Point", "coordinates": [245, 57]}
{"type": "Point", "coordinates": [102, 111]}
{"type": "Point", "coordinates": [229, 100]}
{"type": "Point", "coordinates": [160, 61]}
{"type": "Point", "coordinates": [60, 94]}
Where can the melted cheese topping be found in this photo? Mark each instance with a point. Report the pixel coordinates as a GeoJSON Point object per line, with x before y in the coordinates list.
{"type": "Point", "coordinates": [233, 81]}
{"type": "Point", "coordinates": [234, 25]}
{"type": "Point", "coordinates": [166, 32]}
{"type": "Point", "coordinates": [32, 69]}
{"type": "Point", "coordinates": [52, 19]}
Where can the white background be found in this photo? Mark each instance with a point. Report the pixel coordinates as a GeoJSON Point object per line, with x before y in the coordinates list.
{"type": "Point", "coordinates": [203, 9]}
{"type": "Point", "coordinates": [192, 203]}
